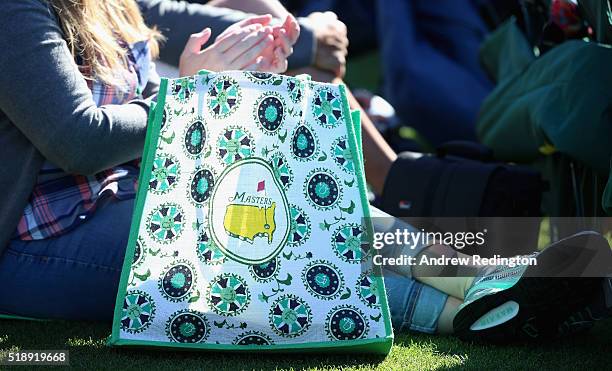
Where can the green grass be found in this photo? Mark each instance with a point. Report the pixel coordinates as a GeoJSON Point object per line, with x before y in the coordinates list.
{"type": "Point", "coordinates": [86, 343]}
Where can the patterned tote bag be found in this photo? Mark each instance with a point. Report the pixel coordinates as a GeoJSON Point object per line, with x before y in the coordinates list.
{"type": "Point", "coordinates": [249, 230]}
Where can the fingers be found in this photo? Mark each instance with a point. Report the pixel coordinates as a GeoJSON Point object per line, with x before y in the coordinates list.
{"type": "Point", "coordinates": [263, 20]}
{"type": "Point", "coordinates": [336, 34]}
{"type": "Point", "coordinates": [256, 40]}
{"type": "Point", "coordinates": [244, 59]}
{"type": "Point", "coordinates": [258, 65]}
{"type": "Point", "coordinates": [330, 59]}
{"type": "Point", "coordinates": [284, 43]}
{"type": "Point", "coordinates": [292, 27]}
{"type": "Point", "coordinates": [331, 15]}
{"type": "Point", "coordinates": [280, 61]}
{"type": "Point", "coordinates": [259, 21]}
{"type": "Point", "coordinates": [189, 59]}
{"type": "Point", "coordinates": [229, 39]}
{"type": "Point", "coordinates": [268, 52]}
{"type": "Point", "coordinates": [196, 40]}
{"type": "Point", "coordinates": [331, 42]}
{"type": "Point", "coordinates": [335, 41]}
{"type": "Point", "coordinates": [327, 15]}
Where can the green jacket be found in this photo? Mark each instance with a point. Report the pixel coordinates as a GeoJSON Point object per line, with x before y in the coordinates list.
{"type": "Point", "coordinates": [559, 103]}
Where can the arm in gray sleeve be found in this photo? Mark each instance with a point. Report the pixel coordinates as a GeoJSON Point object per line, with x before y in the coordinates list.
{"type": "Point", "coordinates": [179, 19]}
{"type": "Point", "coordinates": [47, 99]}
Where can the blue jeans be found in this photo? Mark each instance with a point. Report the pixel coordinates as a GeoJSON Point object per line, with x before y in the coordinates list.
{"type": "Point", "coordinates": [76, 275]}
{"type": "Point", "coordinates": [73, 276]}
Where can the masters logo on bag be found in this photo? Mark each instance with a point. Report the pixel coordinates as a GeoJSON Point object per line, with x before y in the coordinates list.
{"type": "Point", "coordinates": [249, 213]}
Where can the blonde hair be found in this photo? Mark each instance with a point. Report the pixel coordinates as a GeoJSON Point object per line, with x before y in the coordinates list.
{"type": "Point", "coordinates": [95, 30]}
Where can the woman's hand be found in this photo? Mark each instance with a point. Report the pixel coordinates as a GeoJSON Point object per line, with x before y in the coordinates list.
{"type": "Point", "coordinates": [332, 42]}
{"type": "Point", "coordinates": [274, 58]}
{"type": "Point", "coordinates": [262, 20]}
{"type": "Point", "coordinates": [238, 49]}
{"type": "Point", "coordinates": [250, 44]}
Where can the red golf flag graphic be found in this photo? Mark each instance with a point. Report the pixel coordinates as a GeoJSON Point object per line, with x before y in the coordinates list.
{"type": "Point", "coordinates": [261, 186]}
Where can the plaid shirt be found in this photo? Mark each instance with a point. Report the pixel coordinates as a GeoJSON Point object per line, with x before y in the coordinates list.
{"type": "Point", "coordinates": [61, 201]}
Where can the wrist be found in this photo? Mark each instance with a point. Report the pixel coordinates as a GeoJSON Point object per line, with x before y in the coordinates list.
{"type": "Point", "coordinates": [304, 50]}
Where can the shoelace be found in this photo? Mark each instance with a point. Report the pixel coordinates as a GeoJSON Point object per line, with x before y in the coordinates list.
{"type": "Point", "coordinates": [504, 271]}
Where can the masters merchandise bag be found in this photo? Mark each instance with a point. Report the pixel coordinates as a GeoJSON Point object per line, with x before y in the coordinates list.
{"type": "Point", "coordinates": [250, 228]}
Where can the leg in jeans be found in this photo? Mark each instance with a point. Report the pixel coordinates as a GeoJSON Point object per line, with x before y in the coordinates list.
{"type": "Point", "coordinates": [413, 305]}
{"type": "Point", "coordinates": [74, 276]}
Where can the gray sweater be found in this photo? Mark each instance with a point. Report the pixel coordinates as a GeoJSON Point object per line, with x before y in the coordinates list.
{"type": "Point", "coordinates": [47, 111]}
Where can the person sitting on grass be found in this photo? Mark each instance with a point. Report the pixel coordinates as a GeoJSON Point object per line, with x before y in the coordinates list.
{"type": "Point", "coordinates": [78, 79]}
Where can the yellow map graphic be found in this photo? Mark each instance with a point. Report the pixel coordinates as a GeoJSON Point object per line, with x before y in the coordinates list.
{"type": "Point", "coordinates": [249, 221]}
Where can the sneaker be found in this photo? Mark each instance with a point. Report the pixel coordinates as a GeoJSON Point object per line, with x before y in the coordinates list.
{"type": "Point", "coordinates": [530, 302]}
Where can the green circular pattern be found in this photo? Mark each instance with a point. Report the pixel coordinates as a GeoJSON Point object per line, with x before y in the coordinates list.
{"type": "Point", "coordinates": [166, 222]}
{"type": "Point", "coordinates": [323, 280]}
{"type": "Point", "coordinates": [304, 143]}
{"type": "Point", "coordinates": [265, 272]}
{"type": "Point", "coordinates": [342, 155]}
{"type": "Point", "coordinates": [299, 229]}
{"type": "Point", "coordinates": [369, 289]}
{"type": "Point", "coordinates": [322, 189]}
{"type": "Point", "coordinates": [177, 281]}
{"type": "Point", "coordinates": [260, 78]}
{"type": "Point", "coordinates": [194, 139]}
{"type": "Point", "coordinates": [270, 112]}
{"type": "Point", "coordinates": [140, 253]}
{"type": "Point", "coordinates": [234, 143]}
{"type": "Point", "coordinates": [281, 169]}
{"type": "Point", "coordinates": [290, 316]}
{"type": "Point", "coordinates": [187, 326]}
{"type": "Point", "coordinates": [228, 294]}
{"type": "Point", "coordinates": [327, 108]}
{"type": "Point", "coordinates": [223, 97]}
{"type": "Point", "coordinates": [137, 312]}
{"type": "Point", "coordinates": [165, 174]}
{"type": "Point", "coordinates": [201, 184]}
{"type": "Point", "coordinates": [167, 117]}
{"type": "Point", "coordinates": [346, 322]}
{"type": "Point", "coordinates": [207, 250]}
{"type": "Point", "coordinates": [349, 243]}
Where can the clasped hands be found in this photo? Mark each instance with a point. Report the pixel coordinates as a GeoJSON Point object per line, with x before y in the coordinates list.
{"type": "Point", "coordinates": [253, 44]}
